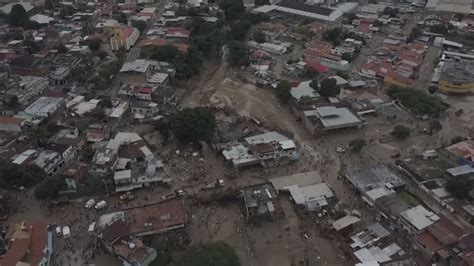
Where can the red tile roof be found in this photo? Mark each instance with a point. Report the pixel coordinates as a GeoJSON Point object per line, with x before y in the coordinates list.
{"type": "Point", "coordinates": [8, 120]}
{"type": "Point", "coordinates": [446, 231]}
{"type": "Point", "coordinates": [429, 242]}
{"type": "Point", "coordinates": [144, 90]}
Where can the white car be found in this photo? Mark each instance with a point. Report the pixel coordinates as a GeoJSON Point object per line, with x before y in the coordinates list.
{"type": "Point", "coordinates": [59, 232]}
{"type": "Point", "coordinates": [340, 149]}
{"type": "Point", "coordinates": [100, 205]}
{"type": "Point", "coordinates": [89, 204]}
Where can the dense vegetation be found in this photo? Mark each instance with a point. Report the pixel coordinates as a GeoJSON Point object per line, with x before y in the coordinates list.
{"type": "Point", "coordinates": [401, 132]}
{"type": "Point", "coordinates": [50, 187]}
{"type": "Point", "coordinates": [460, 187]}
{"type": "Point", "coordinates": [418, 102]}
{"type": "Point", "coordinates": [357, 144]}
{"type": "Point", "coordinates": [18, 176]}
{"type": "Point", "coordinates": [193, 125]}
{"type": "Point", "coordinates": [212, 254]}
{"type": "Point", "coordinates": [282, 91]}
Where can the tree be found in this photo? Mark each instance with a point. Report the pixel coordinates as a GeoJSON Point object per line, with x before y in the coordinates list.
{"type": "Point", "coordinates": [309, 73]}
{"type": "Point", "coordinates": [282, 91]}
{"type": "Point", "coordinates": [193, 125]}
{"type": "Point", "coordinates": [232, 9]}
{"type": "Point", "coordinates": [417, 101]}
{"type": "Point", "coordinates": [314, 84]}
{"type": "Point", "coordinates": [18, 16]}
{"type": "Point", "coordinates": [50, 187]}
{"type": "Point", "coordinates": [333, 35]}
{"type": "Point", "coordinates": [392, 12]}
{"type": "Point", "coordinates": [19, 176]}
{"type": "Point", "coordinates": [238, 54]}
{"type": "Point", "coordinates": [306, 31]}
{"type": "Point", "coordinates": [210, 254]}
{"type": "Point", "coordinates": [106, 102]}
{"type": "Point", "coordinates": [140, 25]}
{"type": "Point", "coordinates": [194, 59]}
{"type": "Point", "coordinates": [415, 32]}
{"type": "Point", "coordinates": [259, 36]}
{"type": "Point", "coordinates": [239, 29]}
{"type": "Point", "coordinates": [435, 125]}
{"type": "Point", "coordinates": [401, 132]}
{"type": "Point", "coordinates": [66, 11]}
{"type": "Point", "coordinates": [440, 29]}
{"type": "Point", "coordinates": [432, 89]}
{"type": "Point", "coordinates": [181, 11]}
{"type": "Point", "coordinates": [123, 19]}
{"type": "Point", "coordinates": [62, 49]}
{"type": "Point", "coordinates": [94, 45]}
{"type": "Point", "coordinates": [357, 144]}
{"type": "Point", "coordinates": [346, 56]}
{"type": "Point", "coordinates": [165, 53]}
{"type": "Point", "coordinates": [460, 187]}
{"type": "Point", "coordinates": [457, 139]}
{"type": "Point", "coordinates": [329, 88]}
{"type": "Point", "coordinates": [38, 134]}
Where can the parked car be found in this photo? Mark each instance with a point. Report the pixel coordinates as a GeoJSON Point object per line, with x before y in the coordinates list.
{"type": "Point", "coordinates": [100, 205]}
{"type": "Point", "coordinates": [59, 232]}
{"type": "Point", "coordinates": [89, 204]}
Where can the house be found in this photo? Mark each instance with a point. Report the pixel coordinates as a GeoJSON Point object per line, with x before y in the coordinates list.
{"type": "Point", "coordinates": [308, 190]}
{"type": "Point", "coordinates": [28, 65]}
{"type": "Point", "coordinates": [11, 124]}
{"type": "Point", "coordinates": [68, 136]}
{"type": "Point", "coordinates": [137, 71]}
{"type": "Point", "coordinates": [261, 202]}
{"type": "Point", "coordinates": [304, 91]}
{"type": "Point", "coordinates": [66, 151]}
{"type": "Point", "coordinates": [462, 152]}
{"type": "Point", "coordinates": [415, 220]}
{"type": "Point", "coordinates": [125, 37]}
{"type": "Point", "coordinates": [138, 92]}
{"type": "Point", "coordinates": [27, 243]}
{"type": "Point", "coordinates": [121, 231]}
{"type": "Point", "coordinates": [144, 109]}
{"type": "Point", "coordinates": [45, 107]}
{"type": "Point", "coordinates": [49, 161]}
{"type": "Point", "coordinates": [326, 59]}
{"type": "Point", "coordinates": [24, 88]}
{"type": "Point", "coordinates": [327, 118]}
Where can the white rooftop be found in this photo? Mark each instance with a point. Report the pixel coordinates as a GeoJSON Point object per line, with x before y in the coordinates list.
{"type": "Point", "coordinates": [303, 89]}
{"type": "Point", "coordinates": [345, 222]}
{"type": "Point", "coordinates": [265, 138]}
{"type": "Point", "coordinates": [124, 174]}
{"type": "Point", "coordinates": [419, 217]}
{"type": "Point", "coordinates": [333, 118]}
{"type": "Point", "coordinates": [41, 19]}
{"type": "Point", "coordinates": [8, 7]}
{"type": "Point", "coordinates": [44, 106]}
{"type": "Point", "coordinates": [139, 65]}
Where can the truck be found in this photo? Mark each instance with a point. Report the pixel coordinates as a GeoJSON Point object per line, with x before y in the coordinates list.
{"type": "Point", "coordinates": [66, 232]}
{"type": "Point", "coordinates": [100, 205]}
{"type": "Point", "coordinates": [213, 185]}
{"type": "Point", "coordinates": [91, 229]}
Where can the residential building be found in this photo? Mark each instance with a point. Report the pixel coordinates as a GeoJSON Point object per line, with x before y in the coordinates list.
{"type": "Point", "coordinates": [304, 91]}
{"type": "Point", "coordinates": [327, 118]}
{"type": "Point", "coordinates": [49, 161]}
{"type": "Point", "coordinates": [11, 124]}
{"type": "Point", "coordinates": [137, 71]}
{"type": "Point", "coordinates": [125, 37]}
{"type": "Point", "coordinates": [27, 243]}
{"type": "Point", "coordinates": [415, 220]}
{"type": "Point", "coordinates": [24, 88]}
{"type": "Point", "coordinates": [121, 231]}
{"type": "Point", "coordinates": [104, 160]}
{"type": "Point", "coordinates": [144, 109]}
{"type": "Point", "coordinates": [261, 202]}
{"type": "Point", "coordinates": [138, 92]}
{"type": "Point", "coordinates": [139, 174]}
{"type": "Point", "coordinates": [27, 65]}
{"type": "Point", "coordinates": [68, 136]}
{"type": "Point", "coordinates": [269, 47]}
{"type": "Point", "coordinates": [457, 77]}
{"type": "Point", "coordinates": [462, 152]}
{"type": "Point", "coordinates": [326, 59]}
{"type": "Point", "coordinates": [307, 190]}
{"type": "Point", "coordinates": [45, 107]}
{"type": "Point", "coordinates": [66, 151]}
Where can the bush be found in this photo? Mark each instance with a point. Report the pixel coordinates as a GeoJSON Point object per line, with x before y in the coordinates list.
{"type": "Point", "coordinates": [212, 254]}
{"type": "Point", "coordinates": [282, 91]}
{"type": "Point", "coordinates": [329, 88]}
{"type": "Point", "coordinates": [357, 145]}
{"type": "Point", "coordinates": [193, 125]}
{"type": "Point", "coordinates": [401, 132]}
{"type": "Point", "coordinates": [94, 45]}
{"type": "Point", "coordinates": [460, 187]}
{"type": "Point", "coordinates": [418, 102]}
{"type": "Point", "coordinates": [49, 189]}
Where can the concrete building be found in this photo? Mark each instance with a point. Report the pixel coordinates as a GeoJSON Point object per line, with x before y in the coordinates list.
{"type": "Point", "coordinates": [24, 88]}
{"type": "Point", "coordinates": [415, 220]}
{"type": "Point", "coordinates": [45, 107]}
{"type": "Point", "coordinates": [49, 161]}
{"type": "Point", "coordinates": [121, 231]}
{"type": "Point", "coordinates": [327, 118]}
{"type": "Point", "coordinates": [125, 37]}
{"type": "Point", "coordinates": [303, 91]}
{"type": "Point", "coordinates": [261, 202]}
{"type": "Point", "coordinates": [457, 77]}
{"type": "Point", "coordinates": [28, 65]}
{"type": "Point", "coordinates": [144, 109]}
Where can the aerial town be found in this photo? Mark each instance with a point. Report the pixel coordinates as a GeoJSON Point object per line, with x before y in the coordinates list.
{"type": "Point", "coordinates": [236, 132]}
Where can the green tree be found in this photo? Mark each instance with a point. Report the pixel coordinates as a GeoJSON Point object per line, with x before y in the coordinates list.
{"type": "Point", "coordinates": [62, 49]}
{"type": "Point", "coordinates": [305, 30]}
{"type": "Point", "coordinates": [181, 11]}
{"type": "Point", "coordinates": [415, 32]}
{"type": "Point", "coordinates": [357, 144]}
{"type": "Point", "coordinates": [238, 54]}
{"type": "Point", "coordinates": [401, 132]}
{"type": "Point", "coordinates": [18, 16]}
{"type": "Point", "coordinates": [49, 188]}
{"type": "Point", "coordinates": [140, 25]}
{"type": "Point", "coordinates": [211, 254]}
{"type": "Point", "coordinates": [346, 56]}
{"type": "Point", "coordinates": [165, 53]}
{"type": "Point", "coordinates": [440, 29]}
{"type": "Point", "coordinates": [259, 36]}
{"type": "Point", "coordinates": [18, 176]}
{"type": "Point", "coordinates": [38, 134]}
{"type": "Point", "coordinates": [94, 45]}
{"type": "Point", "coordinates": [333, 35]}
{"type": "Point", "coordinates": [66, 11]}
{"type": "Point", "coordinates": [194, 59]}
{"type": "Point", "coordinates": [239, 29]}
{"type": "Point", "coordinates": [193, 125]}
{"type": "Point", "coordinates": [309, 73]}
{"type": "Point", "coordinates": [314, 84]}
{"type": "Point", "coordinates": [432, 89]}
{"type": "Point", "coordinates": [123, 19]}
{"type": "Point", "coordinates": [282, 91]}
{"type": "Point", "coordinates": [460, 187]}
{"type": "Point", "coordinates": [329, 88]}
{"type": "Point", "coordinates": [106, 102]}
{"type": "Point", "coordinates": [232, 9]}
{"type": "Point", "coordinates": [418, 102]}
